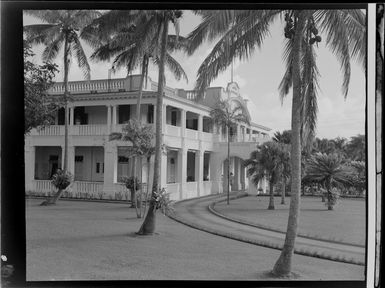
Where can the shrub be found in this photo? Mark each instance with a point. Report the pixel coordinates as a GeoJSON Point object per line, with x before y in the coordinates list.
{"type": "Point", "coordinates": [62, 179]}
{"type": "Point", "coordinates": [162, 201]}
{"type": "Point", "coordinates": [129, 182]}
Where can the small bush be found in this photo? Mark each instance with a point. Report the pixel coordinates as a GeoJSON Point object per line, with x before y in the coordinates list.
{"type": "Point", "coordinates": [162, 201]}
{"type": "Point", "coordinates": [129, 182]}
{"type": "Point", "coordinates": [62, 179]}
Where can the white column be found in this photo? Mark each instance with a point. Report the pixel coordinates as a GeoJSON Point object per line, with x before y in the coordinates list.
{"type": "Point", "coordinates": [114, 115]}
{"type": "Point", "coordinates": [199, 171]}
{"type": "Point", "coordinates": [110, 168]}
{"type": "Point", "coordinates": [216, 173]}
{"type": "Point", "coordinates": [182, 170]}
{"type": "Point", "coordinates": [200, 126]}
{"type": "Point", "coordinates": [71, 159]}
{"type": "Point", "coordinates": [183, 122]}
{"type": "Point", "coordinates": [30, 167]}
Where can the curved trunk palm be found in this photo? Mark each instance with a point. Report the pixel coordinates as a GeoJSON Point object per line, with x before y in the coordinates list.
{"type": "Point", "coordinates": [283, 264]}
{"type": "Point", "coordinates": [148, 226]}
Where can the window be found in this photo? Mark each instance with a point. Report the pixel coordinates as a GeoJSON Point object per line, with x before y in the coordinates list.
{"type": "Point", "coordinates": [122, 159]}
{"type": "Point", "coordinates": [78, 158]}
{"type": "Point", "coordinates": [97, 167]}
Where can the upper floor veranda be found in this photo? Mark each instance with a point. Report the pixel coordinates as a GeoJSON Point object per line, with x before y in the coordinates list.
{"type": "Point", "coordinates": [100, 107]}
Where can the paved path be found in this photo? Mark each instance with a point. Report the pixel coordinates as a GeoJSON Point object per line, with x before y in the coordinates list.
{"type": "Point", "coordinates": [196, 213]}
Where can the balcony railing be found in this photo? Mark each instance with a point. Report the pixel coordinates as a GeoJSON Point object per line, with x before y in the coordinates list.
{"type": "Point", "coordinates": [52, 130]}
{"type": "Point", "coordinates": [172, 130]}
{"type": "Point", "coordinates": [104, 85]}
{"type": "Point", "coordinates": [192, 134]}
{"type": "Point", "coordinates": [87, 130]}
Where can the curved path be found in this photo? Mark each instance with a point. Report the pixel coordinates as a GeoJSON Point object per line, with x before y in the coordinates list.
{"type": "Point", "coordinates": [196, 213]}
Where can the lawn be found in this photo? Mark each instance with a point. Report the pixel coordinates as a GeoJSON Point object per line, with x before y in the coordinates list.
{"type": "Point", "coordinates": [96, 241]}
{"type": "Point", "coordinates": [347, 222]}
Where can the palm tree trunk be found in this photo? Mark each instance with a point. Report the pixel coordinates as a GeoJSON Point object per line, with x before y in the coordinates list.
{"type": "Point", "coordinates": [228, 165]}
{"type": "Point", "coordinates": [271, 202]}
{"type": "Point", "coordinates": [52, 200]}
{"type": "Point", "coordinates": [283, 191]}
{"type": "Point", "coordinates": [283, 265]}
{"type": "Point", "coordinates": [148, 226]}
{"type": "Point", "coordinates": [329, 194]}
{"type": "Point", "coordinates": [148, 184]}
{"type": "Point", "coordinates": [65, 160]}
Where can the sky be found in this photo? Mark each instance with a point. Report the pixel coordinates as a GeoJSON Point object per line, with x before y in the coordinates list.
{"type": "Point", "coordinates": [258, 79]}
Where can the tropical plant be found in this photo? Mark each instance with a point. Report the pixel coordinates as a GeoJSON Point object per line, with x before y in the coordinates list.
{"type": "Point", "coordinates": [63, 27]}
{"type": "Point", "coordinates": [228, 114]}
{"type": "Point", "coordinates": [328, 170]}
{"type": "Point", "coordinates": [284, 139]}
{"type": "Point", "coordinates": [39, 108]}
{"type": "Point", "coordinates": [61, 180]}
{"type": "Point", "coordinates": [241, 31]}
{"type": "Point", "coordinates": [140, 136]}
{"type": "Point", "coordinates": [267, 162]}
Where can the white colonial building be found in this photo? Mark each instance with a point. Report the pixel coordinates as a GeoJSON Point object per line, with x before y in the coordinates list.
{"type": "Point", "coordinates": [194, 164]}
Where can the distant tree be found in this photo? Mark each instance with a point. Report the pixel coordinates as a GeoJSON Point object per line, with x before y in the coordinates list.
{"type": "Point", "coordinates": [284, 137]}
{"type": "Point", "coordinates": [39, 108]}
{"type": "Point", "coordinates": [268, 161]}
{"type": "Point", "coordinates": [356, 148]}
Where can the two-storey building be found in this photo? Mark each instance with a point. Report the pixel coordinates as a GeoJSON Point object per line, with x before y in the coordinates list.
{"type": "Point", "coordinates": [193, 165]}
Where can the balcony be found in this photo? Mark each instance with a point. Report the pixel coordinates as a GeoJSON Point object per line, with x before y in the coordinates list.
{"type": "Point", "coordinates": [88, 130]}
{"type": "Point", "coordinates": [171, 130]}
{"type": "Point", "coordinates": [191, 134]}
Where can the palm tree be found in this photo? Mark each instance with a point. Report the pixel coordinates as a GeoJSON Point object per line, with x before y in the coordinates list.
{"type": "Point", "coordinates": [329, 170]}
{"type": "Point", "coordinates": [126, 44]}
{"type": "Point", "coordinates": [241, 31]}
{"type": "Point", "coordinates": [227, 115]}
{"type": "Point", "coordinates": [356, 148]}
{"type": "Point", "coordinates": [63, 27]}
{"type": "Point", "coordinates": [284, 139]}
{"type": "Point", "coordinates": [267, 162]}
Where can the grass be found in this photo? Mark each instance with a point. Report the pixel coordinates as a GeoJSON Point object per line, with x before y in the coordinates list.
{"type": "Point", "coordinates": [77, 240]}
{"type": "Point", "coordinates": [346, 223]}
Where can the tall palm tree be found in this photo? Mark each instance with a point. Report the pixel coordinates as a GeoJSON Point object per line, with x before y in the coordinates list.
{"type": "Point", "coordinates": [267, 162]}
{"type": "Point", "coordinates": [227, 115]}
{"type": "Point", "coordinates": [329, 170]}
{"type": "Point", "coordinates": [63, 27]}
{"type": "Point", "coordinates": [126, 46]}
{"type": "Point", "coordinates": [241, 31]}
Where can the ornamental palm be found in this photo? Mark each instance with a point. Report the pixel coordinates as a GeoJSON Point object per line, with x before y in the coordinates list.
{"type": "Point", "coordinates": [63, 27]}
{"type": "Point", "coordinates": [244, 30]}
{"type": "Point", "coordinates": [329, 170]}
{"type": "Point", "coordinates": [268, 162]}
{"type": "Point", "coordinates": [227, 115]}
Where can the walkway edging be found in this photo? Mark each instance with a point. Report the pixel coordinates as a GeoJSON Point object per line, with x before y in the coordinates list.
{"type": "Point", "coordinates": [259, 242]}
{"type": "Point", "coordinates": [212, 210]}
